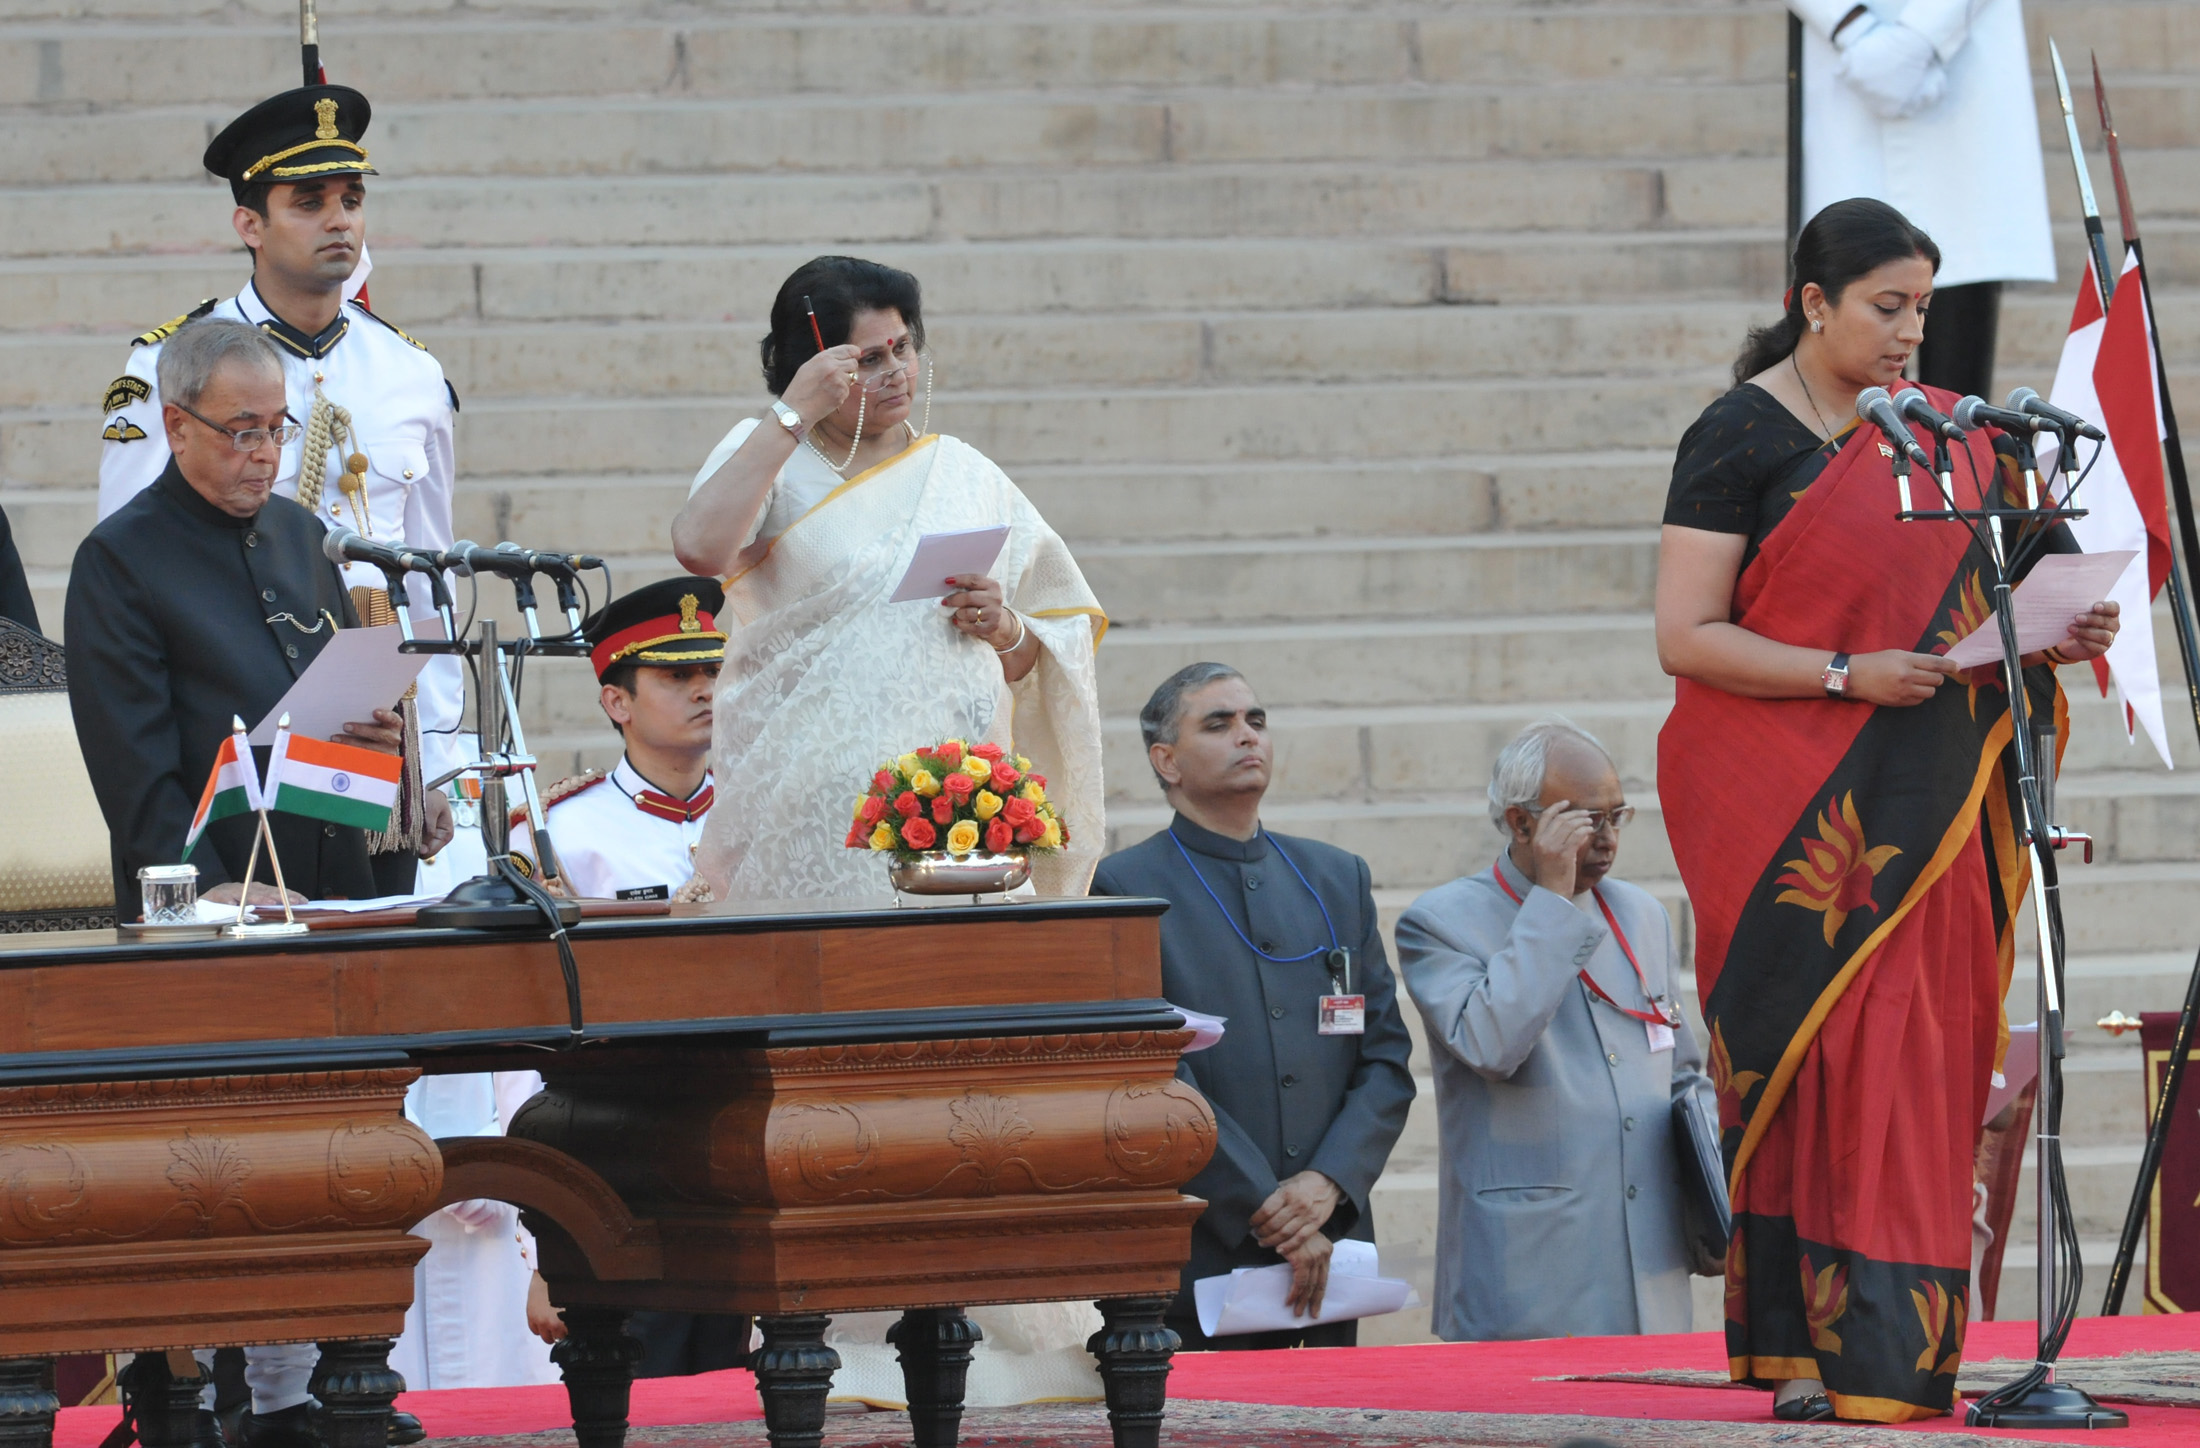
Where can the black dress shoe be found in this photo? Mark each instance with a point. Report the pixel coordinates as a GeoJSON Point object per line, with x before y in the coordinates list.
{"type": "Point", "coordinates": [1810, 1408]}
{"type": "Point", "coordinates": [405, 1429]}
{"type": "Point", "coordinates": [208, 1432]}
{"type": "Point", "coordinates": [290, 1428]}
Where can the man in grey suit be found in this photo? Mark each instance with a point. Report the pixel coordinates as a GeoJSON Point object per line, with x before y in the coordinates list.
{"type": "Point", "coordinates": [1549, 992]}
{"type": "Point", "coordinates": [1278, 934]}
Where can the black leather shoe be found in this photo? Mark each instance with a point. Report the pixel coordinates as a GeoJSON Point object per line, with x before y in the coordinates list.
{"type": "Point", "coordinates": [208, 1433]}
{"type": "Point", "coordinates": [405, 1429]}
{"type": "Point", "coordinates": [290, 1428]}
{"type": "Point", "coordinates": [1810, 1408]}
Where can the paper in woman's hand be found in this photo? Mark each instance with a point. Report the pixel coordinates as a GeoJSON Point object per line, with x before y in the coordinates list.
{"type": "Point", "coordinates": [2059, 588]}
{"type": "Point", "coordinates": [941, 556]}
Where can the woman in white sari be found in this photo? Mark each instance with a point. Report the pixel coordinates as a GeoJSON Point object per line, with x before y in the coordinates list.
{"type": "Point", "coordinates": [812, 514]}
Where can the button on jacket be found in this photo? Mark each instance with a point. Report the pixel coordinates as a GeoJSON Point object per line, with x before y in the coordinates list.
{"type": "Point", "coordinates": [1287, 1098]}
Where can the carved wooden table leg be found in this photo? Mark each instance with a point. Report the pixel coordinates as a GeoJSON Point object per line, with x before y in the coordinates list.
{"type": "Point", "coordinates": [934, 1345]}
{"type": "Point", "coordinates": [166, 1402]}
{"type": "Point", "coordinates": [356, 1387]}
{"type": "Point", "coordinates": [794, 1370]}
{"type": "Point", "coordinates": [597, 1359]}
{"type": "Point", "coordinates": [1133, 1350]}
{"type": "Point", "coordinates": [27, 1403]}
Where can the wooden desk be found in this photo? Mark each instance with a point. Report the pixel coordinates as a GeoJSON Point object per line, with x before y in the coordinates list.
{"type": "Point", "coordinates": [787, 1112]}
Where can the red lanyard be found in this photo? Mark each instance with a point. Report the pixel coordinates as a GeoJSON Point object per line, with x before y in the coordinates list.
{"type": "Point", "coordinates": [1655, 1018]}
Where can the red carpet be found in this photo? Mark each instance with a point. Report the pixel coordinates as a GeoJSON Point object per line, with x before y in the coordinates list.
{"type": "Point", "coordinates": [1448, 1377]}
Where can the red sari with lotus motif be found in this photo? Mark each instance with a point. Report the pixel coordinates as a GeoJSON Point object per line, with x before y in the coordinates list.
{"type": "Point", "coordinates": [1851, 870]}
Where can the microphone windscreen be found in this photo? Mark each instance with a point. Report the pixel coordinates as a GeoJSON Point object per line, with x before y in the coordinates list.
{"type": "Point", "coordinates": [2020, 397]}
{"type": "Point", "coordinates": [1966, 413]}
{"type": "Point", "coordinates": [332, 545]}
{"type": "Point", "coordinates": [1868, 396]}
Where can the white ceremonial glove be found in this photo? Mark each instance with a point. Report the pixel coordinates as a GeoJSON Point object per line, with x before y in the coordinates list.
{"type": "Point", "coordinates": [478, 1213]}
{"type": "Point", "coordinates": [1893, 67]}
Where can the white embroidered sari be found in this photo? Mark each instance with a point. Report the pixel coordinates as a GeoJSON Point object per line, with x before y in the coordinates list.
{"type": "Point", "coordinates": [825, 680]}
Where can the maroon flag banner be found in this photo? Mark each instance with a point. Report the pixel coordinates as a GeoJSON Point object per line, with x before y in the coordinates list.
{"type": "Point", "coordinates": [2173, 1212]}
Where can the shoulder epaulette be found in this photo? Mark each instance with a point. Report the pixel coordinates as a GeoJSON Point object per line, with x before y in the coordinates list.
{"type": "Point", "coordinates": [400, 331]}
{"type": "Point", "coordinates": [563, 790]}
{"type": "Point", "coordinates": [167, 329]}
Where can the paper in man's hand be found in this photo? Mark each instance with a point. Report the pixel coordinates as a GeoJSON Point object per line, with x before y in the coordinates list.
{"type": "Point", "coordinates": [2059, 588]}
{"type": "Point", "coordinates": [941, 556]}
{"type": "Point", "coordinates": [358, 672]}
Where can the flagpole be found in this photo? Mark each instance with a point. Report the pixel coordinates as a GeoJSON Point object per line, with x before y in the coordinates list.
{"type": "Point", "coordinates": [2173, 1074]}
{"type": "Point", "coordinates": [244, 892]}
{"type": "Point", "coordinates": [2096, 239]}
{"type": "Point", "coordinates": [290, 925]}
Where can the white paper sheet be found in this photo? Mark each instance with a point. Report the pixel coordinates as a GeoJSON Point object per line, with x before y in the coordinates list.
{"type": "Point", "coordinates": [948, 555]}
{"type": "Point", "coordinates": [2059, 588]}
{"type": "Point", "coordinates": [361, 907]}
{"type": "Point", "coordinates": [358, 672]}
{"type": "Point", "coordinates": [1206, 1030]}
{"type": "Point", "coordinates": [1253, 1299]}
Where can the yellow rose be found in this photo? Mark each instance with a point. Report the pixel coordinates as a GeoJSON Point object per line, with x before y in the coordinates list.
{"type": "Point", "coordinates": [907, 764]}
{"type": "Point", "coordinates": [986, 805]}
{"type": "Point", "coordinates": [882, 838]}
{"type": "Point", "coordinates": [977, 769]}
{"type": "Point", "coordinates": [1033, 791]}
{"type": "Point", "coordinates": [1023, 765]}
{"type": "Point", "coordinates": [859, 805]}
{"type": "Point", "coordinates": [963, 838]}
{"type": "Point", "coordinates": [923, 783]}
{"type": "Point", "coordinates": [1052, 839]}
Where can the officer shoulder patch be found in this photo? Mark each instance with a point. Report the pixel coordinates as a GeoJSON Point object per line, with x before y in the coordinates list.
{"type": "Point", "coordinates": [563, 790]}
{"type": "Point", "coordinates": [362, 306]}
{"type": "Point", "coordinates": [167, 329]}
{"type": "Point", "coordinates": [123, 391]}
{"type": "Point", "coordinates": [122, 429]}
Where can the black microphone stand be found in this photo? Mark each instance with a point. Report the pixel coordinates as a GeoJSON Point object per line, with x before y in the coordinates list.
{"type": "Point", "coordinates": [2035, 1400]}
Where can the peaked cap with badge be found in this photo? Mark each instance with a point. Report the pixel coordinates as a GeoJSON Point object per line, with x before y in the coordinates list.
{"type": "Point", "coordinates": [299, 135]}
{"type": "Point", "coordinates": [667, 624]}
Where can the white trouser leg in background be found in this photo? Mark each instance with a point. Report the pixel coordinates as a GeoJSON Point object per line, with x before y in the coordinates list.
{"type": "Point", "coordinates": [278, 1375]}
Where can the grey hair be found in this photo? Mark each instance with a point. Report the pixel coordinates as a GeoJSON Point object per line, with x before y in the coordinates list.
{"type": "Point", "coordinates": [190, 358]}
{"type": "Point", "coordinates": [1157, 722]}
{"type": "Point", "coordinates": [1517, 776]}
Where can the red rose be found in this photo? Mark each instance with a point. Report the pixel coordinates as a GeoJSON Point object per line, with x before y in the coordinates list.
{"type": "Point", "coordinates": [874, 810]}
{"type": "Point", "coordinates": [1031, 834]}
{"type": "Point", "coordinates": [919, 834]}
{"type": "Point", "coordinates": [856, 838]}
{"type": "Point", "coordinates": [943, 809]}
{"type": "Point", "coordinates": [1040, 780]}
{"type": "Point", "coordinates": [960, 785]}
{"type": "Point", "coordinates": [883, 781]}
{"type": "Point", "coordinates": [1005, 776]}
{"type": "Point", "coordinates": [999, 835]}
{"type": "Point", "coordinates": [908, 805]}
{"type": "Point", "coordinates": [951, 753]}
{"type": "Point", "coordinates": [990, 753]}
{"type": "Point", "coordinates": [924, 751]}
{"type": "Point", "coordinates": [1019, 811]}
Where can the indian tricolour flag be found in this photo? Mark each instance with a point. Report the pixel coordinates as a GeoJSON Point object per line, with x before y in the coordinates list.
{"type": "Point", "coordinates": [232, 789]}
{"type": "Point", "coordinates": [341, 783]}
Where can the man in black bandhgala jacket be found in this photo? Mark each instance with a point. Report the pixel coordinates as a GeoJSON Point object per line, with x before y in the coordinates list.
{"type": "Point", "coordinates": [200, 600]}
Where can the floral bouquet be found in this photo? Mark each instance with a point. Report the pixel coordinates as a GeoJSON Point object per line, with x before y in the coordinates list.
{"type": "Point", "coordinates": [959, 798]}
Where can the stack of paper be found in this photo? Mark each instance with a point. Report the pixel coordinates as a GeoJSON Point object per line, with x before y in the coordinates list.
{"type": "Point", "coordinates": [1253, 1299]}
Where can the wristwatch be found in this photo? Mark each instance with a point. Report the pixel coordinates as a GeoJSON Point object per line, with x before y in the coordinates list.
{"type": "Point", "coordinates": [1836, 677]}
{"type": "Point", "coordinates": [788, 418]}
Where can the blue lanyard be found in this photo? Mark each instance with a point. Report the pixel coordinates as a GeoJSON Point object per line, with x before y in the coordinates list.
{"type": "Point", "coordinates": [1231, 920]}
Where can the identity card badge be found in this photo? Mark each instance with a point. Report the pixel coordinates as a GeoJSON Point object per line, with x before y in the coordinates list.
{"type": "Point", "coordinates": [1345, 1015]}
{"type": "Point", "coordinates": [1661, 1032]}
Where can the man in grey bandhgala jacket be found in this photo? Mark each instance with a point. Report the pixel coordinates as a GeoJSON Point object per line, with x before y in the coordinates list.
{"type": "Point", "coordinates": [1557, 1060]}
{"type": "Point", "coordinates": [1306, 1119]}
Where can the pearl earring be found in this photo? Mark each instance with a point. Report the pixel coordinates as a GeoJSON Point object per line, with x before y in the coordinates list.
{"type": "Point", "coordinates": [1816, 325]}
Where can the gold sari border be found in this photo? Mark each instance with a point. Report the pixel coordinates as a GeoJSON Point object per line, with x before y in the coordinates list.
{"type": "Point", "coordinates": [1791, 1060]}
{"type": "Point", "coordinates": [857, 481]}
{"type": "Point", "coordinates": [1100, 630]}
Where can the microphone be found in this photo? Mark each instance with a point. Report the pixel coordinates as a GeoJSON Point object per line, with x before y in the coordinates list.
{"type": "Point", "coordinates": [346, 546]}
{"type": "Point", "coordinates": [1913, 404]}
{"type": "Point", "coordinates": [1976, 412]}
{"type": "Point", "coordinates": [2025, 400]}
{"type": "Point", "coordinates": [543, 562]}
{"type": "Point", "coordinates": [1876, 407]}
{"type": "Point", "coordinates": [466, 557]}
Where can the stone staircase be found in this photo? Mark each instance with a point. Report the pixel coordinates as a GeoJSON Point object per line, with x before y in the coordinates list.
{"type": "Point", "coordinates": [1346, 342]}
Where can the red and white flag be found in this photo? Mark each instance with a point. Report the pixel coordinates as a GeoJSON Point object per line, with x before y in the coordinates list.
{"type": "Point", "coordinates": [2107, 376]}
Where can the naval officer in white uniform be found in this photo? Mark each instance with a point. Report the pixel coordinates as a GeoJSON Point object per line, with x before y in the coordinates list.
{"type": "Point", "coordinates": [296, 168]}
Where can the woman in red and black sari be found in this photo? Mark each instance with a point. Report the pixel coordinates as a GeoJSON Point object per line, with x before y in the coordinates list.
{"type": "Point", "coordinates": [1839, 804]}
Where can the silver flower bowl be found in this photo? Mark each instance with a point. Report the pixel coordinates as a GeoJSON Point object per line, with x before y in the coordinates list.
{"type": "Point", "coordinates": [936, 872]}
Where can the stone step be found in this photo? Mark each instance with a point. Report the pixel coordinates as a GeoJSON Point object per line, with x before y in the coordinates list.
{"type": "Point", "coordinates": [1298, 200]}
{"type": "Point", "coordinates": [989, 352]}
{"type": "Point", "coordinates": [475, 52]}
{"type": "Point", "coordinates": [1489, 575]}
{"type": "Point", "coordinates": [1367, 422]}
{"type": "Point", "coordinates": [419, 287]}
{"type": "Point", "coordinates": [568, 136]}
